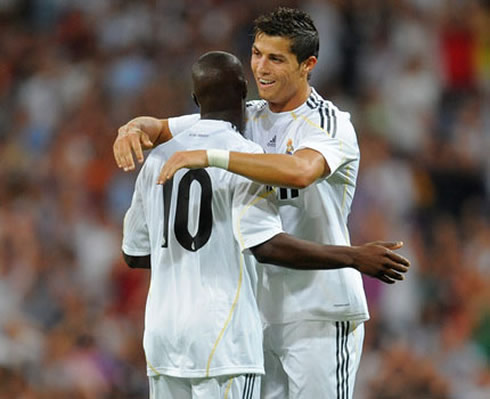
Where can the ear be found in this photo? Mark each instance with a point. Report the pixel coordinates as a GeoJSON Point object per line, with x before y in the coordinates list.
{"type": "Point", "coordinates": [194, 98]}
{"type": "Point", "coordinates": [309, 64]}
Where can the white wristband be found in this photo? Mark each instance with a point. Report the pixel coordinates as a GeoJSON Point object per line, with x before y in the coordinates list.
{"type": "Point", "coordinates": [218, 158]}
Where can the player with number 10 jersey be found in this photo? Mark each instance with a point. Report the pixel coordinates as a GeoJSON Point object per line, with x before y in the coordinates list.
{"type": "Point", "coordinates": [199, 302]}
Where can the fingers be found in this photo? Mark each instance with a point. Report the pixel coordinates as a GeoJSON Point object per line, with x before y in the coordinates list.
{"type": "Point", "coordinates": [389, 244]}
{"type": "Point", "coordinates": [126, 156]}
{"type": "Point", "coordinates": [116, 154]}
{"type": "Point", "coordinates": [129, 141]}
{"type": "Point", "coordinates": [146, 141]}
{"type": "Point", "coordinates": [168, 170]}
{"type": "Point", "coordinates": [398, 258]}
{"type": "Point", "coordinates": [165, 174]}
{"type": "Point", "coordinates": [385, 279]}
{"type": "Point", "coordinates": [136, 145]}
{"type": "Point", "coordinates": [392, 271]}
{"type": "Point", "coordinates": [122, 155]}
{"type": "Point", "coordinates": [394, 275]}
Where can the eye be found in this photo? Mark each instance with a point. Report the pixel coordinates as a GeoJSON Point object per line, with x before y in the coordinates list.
{"type": "Point", "coordinates": [275, 59]}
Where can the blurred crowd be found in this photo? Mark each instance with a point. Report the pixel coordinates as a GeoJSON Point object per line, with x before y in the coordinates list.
{"type": "Point", "coordinates": [415, 76]}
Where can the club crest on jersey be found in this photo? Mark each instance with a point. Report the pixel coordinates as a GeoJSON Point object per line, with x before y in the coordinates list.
{"type": "Point", "coordinates": [289, 147]}
{"type": "Point", "coordinates": [272, 142]}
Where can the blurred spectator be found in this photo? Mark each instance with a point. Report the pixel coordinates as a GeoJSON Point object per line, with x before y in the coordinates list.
{"type": "Point", "coordinates": [404, 376]}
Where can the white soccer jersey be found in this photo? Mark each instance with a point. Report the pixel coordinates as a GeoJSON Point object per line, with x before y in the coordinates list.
{"type": "Point", "coordinates": [317, 213]}
{"type": "Point", "coordinates": [201, 314]}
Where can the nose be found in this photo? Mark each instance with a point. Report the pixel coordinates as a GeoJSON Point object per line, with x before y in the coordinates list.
{"type": "Point", "coordinates": [261, 66]}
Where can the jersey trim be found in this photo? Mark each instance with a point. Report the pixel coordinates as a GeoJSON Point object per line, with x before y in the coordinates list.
{"type": "Point", "coordinates": [342, 357]}
{"type": "Point", "coordinates": [325, 111]}
{"type": "Point", "coordinates": [230, 314]}
{"type": "Point", "coordinates": [150, 366]}
{"type": "Point", "coordinates": [310, 122]}
{"type": "Point", "coordinates": [240, 279]}
{"type": "Point", "coordinates": [228, 387]}
{"type": "Point", "coordinates": [248, 388]}
{"type": "Point", "coordinates": [344, 196]}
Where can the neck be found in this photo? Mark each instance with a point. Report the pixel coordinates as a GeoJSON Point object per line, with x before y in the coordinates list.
{"type": "Point", "coordinates": [235, 117]}
{"type": "Point", "coordinates": [294, 102]}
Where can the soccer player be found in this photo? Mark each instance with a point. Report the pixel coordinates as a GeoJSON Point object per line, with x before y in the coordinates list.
{"type": "Point", "coordinates": [203, 334]}
{"type": "Point", "coordinates": [314, 320]}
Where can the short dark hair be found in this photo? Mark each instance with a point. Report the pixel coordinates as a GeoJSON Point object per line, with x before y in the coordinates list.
{"type": "Point", "coordinates": [293, 24]}
{"type": "Point", "coordinates": [218, 79]}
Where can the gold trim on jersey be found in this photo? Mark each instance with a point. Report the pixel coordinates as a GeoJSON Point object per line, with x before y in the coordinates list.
{"type": "Point", "coordinates": [240, 279]}
{"type": "Point", "coordinates": [152, 368]}
{"type": "Point", "coordinates": [228, 319]}
{"type": "Point", "coordinates": [310, 122]}
{"type": "Point", "coordinates": [348, 170]}
{"type": "Point", "coordinates": [228, 387]}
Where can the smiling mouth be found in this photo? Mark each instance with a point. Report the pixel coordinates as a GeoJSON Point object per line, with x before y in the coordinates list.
{"type": "Point", "coordinates": [265, 82]}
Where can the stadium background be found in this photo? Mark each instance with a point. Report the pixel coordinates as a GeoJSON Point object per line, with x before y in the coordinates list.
{"type": "Point", "coordinates": [415, 75]}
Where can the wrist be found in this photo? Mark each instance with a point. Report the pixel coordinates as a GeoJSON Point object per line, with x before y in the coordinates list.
{"type": "Point", "coordinates": [218, 158]}
{"type": "Point", "coordinates": [350, 253]}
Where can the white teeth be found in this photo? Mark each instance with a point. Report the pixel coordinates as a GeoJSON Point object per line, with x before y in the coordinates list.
{"type": "Point", "coordinates": [266, 82]}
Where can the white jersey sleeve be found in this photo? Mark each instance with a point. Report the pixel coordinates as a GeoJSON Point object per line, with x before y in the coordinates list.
{"type": "Point", "coordinates": [255, 213]}
{"type": "Point", "coordinates": [180, 124]}
{"type": "Point", "coordinates": [337, 149]}
{"type": "Point", "coordinates": [136, 240]}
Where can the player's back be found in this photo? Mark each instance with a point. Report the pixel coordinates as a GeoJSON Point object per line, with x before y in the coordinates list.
{"type": "Point", "coordinates": [201, 316]}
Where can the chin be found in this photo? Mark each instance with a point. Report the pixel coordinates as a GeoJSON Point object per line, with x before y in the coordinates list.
{"type": "Point", "coordinates": [265, 96]}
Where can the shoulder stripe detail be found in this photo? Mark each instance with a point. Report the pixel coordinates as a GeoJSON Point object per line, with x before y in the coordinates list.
{"type": "Point", "coordinates": [334, 128]}
{"type": "Point", "coordinates": [307, 120]}
{"type": "Point", "coordinates": [312, 101]}
{"type": "Point", "coordinates": [322, 118]}
{"type": "Point", "coordinates": [327, 113]}
{"type": "Point", "coordinates": [315, 96]}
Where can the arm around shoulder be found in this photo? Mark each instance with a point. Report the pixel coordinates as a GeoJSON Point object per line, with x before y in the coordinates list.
{"type": "Point", "coordinates": [141, 133]}
{"type": "Point", "coordinates": [299, 170]}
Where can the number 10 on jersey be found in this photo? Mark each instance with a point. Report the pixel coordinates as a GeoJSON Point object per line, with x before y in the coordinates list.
{"type": "Point", "coordinates": [181, 229]}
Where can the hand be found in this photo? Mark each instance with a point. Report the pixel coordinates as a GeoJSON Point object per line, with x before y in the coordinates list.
{"type": "Point", "coordinates": [182, 159]}
{"type": "Point", "coordinates": [130, 138]}
{"type": "Point", "coordinates": [377, 259]}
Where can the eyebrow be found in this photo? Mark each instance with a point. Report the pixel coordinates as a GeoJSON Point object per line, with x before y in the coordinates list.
{"type": "Point", "coordinates": [280, 56]}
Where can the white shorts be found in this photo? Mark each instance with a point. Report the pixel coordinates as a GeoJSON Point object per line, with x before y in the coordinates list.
{"type": "Point", "coordinates": [311, 359]}
{"type": "Point", "coordinates": [244, 386]}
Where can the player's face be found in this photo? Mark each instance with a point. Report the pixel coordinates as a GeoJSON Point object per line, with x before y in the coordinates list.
{"type": "Point", "coordinates": [280, 79]}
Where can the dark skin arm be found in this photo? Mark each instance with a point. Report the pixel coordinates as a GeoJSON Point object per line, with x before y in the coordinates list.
{"type": "Point", "coordinates": [373, 259]}
{"type": "Point", "coordinates": [137, 262]}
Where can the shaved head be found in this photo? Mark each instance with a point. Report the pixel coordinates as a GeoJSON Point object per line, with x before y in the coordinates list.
{"type": "Point", "coordinates": [219, 81]}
